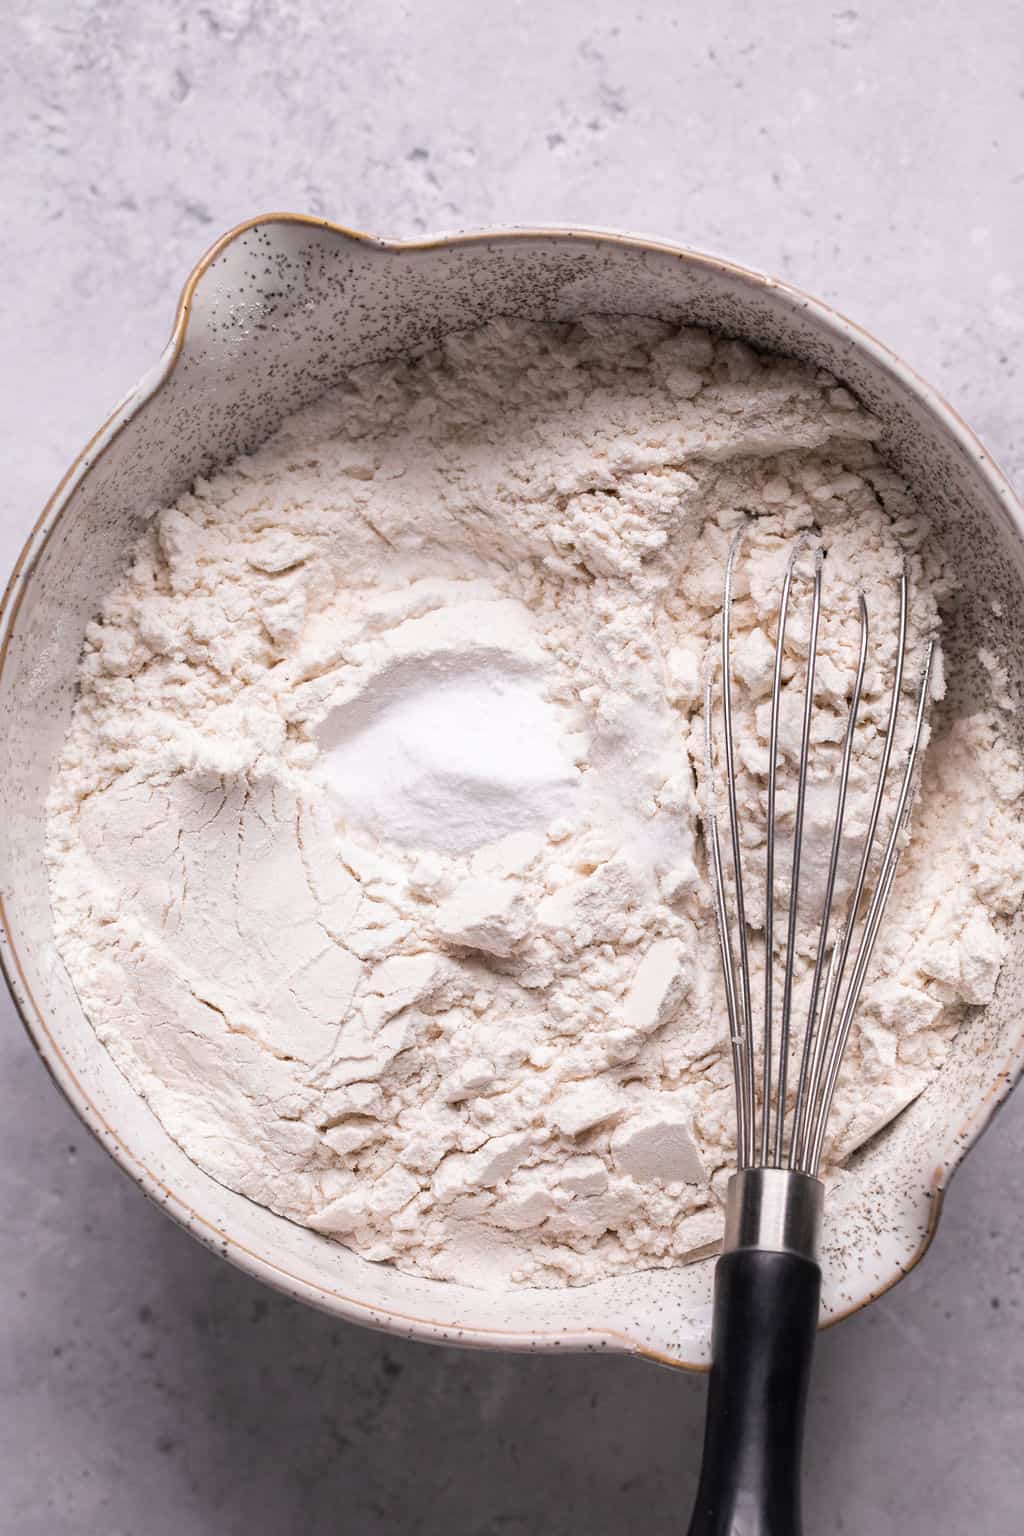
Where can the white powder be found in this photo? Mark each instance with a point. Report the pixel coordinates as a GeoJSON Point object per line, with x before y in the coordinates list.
{"type": "Point", "coordinates": [374, 845]}
{"type": "Point", "coordinates": [449, 742]}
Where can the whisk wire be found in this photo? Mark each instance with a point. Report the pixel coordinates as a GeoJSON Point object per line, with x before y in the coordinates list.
{"type": "Point", "coordinates": [794, 882]}
{"type": "Point", "coordinates": [814, 1036]}
{"type": "Point", "coordinates": [846, 938]}
{"type": "Point", "coordinates": [745, 1089]}
{"type": "Point", "coordinates": [825, 1039]}
{"type": "Point", "coordinates": [769, 885]}
{"type": "Point", "coordinates": [744, 1147]}
{"type": "Point", "coordinates": [873, 921]}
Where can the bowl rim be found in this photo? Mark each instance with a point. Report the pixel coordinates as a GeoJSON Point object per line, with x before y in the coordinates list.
{"type": "Point", "coordinates": [32, 1015]}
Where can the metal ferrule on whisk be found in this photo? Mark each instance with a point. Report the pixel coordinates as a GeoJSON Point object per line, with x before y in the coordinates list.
{"type": "Point", "coordinates": [780, 1148]}
{"type": "Point", "coordinates": [774, 1209]}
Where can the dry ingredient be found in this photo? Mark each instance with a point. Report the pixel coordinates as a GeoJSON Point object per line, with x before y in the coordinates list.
{"type": "Point", "coordinates": [374, 845]}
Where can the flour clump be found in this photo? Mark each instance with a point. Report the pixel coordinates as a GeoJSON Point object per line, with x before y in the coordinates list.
{"type": "Point", "coordinates": [374, 844]}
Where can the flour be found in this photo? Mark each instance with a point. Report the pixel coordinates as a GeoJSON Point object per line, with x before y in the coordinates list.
{"type": "Point", "coordinates": [374, 844]}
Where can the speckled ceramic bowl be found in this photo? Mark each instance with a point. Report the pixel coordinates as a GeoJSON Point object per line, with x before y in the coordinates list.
{"type": "Point", "coordinates": [268, 319]}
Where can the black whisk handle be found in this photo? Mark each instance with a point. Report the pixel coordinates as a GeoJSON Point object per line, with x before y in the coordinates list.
{"type": "Point", "coordinates": [762, 1343]}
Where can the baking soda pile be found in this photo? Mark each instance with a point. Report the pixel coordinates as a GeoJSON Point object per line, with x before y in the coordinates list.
{"type": "Point", "coordinates": [374, 845]}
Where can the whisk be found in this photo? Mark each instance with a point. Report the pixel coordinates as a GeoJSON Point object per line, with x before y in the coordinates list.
{"type": "Point", "coordinates": [768, 1280]}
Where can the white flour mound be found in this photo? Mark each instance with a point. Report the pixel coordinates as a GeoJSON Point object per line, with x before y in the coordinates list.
{"type": "Point", "coordinates": [374, 847]}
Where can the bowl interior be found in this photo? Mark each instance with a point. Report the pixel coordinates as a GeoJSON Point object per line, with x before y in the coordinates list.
{"type": "Point", "coordinates": [273, 318]}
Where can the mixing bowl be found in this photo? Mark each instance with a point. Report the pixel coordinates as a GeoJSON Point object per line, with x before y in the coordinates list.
{"type": "Point", "coordinates": [269, 318]}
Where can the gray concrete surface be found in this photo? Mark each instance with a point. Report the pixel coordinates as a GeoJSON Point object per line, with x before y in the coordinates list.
{"type": "Point", "coordinates": [872, 154]}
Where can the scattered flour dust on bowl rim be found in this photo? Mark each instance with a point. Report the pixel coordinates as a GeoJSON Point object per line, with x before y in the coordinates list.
{"type": "Point", "coordinates": [33, 1017]}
